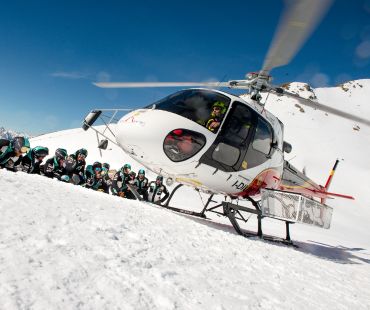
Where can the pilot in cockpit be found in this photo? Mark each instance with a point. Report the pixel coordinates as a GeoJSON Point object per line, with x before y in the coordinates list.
{"type": "Point", "coordinates": [217, 114]}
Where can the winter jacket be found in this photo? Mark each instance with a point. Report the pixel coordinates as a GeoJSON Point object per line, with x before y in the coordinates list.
{"type": "Point", "coordinates": [52, 169]}
{"type": "Point", "coordinates": [8, 158]}
{"type": "Point", "coordinates": [142, 187]}
{"type": "Point", "coordinates": [119, 182]}
{"type": "Point", "coordinates": [95, 182]}
{"type": "Point", "coordinates": [155, 192]}
{"type": "Point", "coordinates": [75, 168]}
{"type": "Point", "coordinates": [30, 164]}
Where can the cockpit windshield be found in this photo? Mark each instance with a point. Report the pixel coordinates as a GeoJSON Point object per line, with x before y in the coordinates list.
{"type": "Point", "coordinates": [204, 107]}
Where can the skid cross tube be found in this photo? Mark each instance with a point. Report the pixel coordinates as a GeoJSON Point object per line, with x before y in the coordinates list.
{"type": "Point", "coordinates": [167, 206]}
{"type": "Point", "coordinates": [193, 213]}
{"type": "Point", "coordinates": [230, 210]}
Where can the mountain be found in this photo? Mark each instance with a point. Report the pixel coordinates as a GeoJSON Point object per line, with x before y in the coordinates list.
{"type": "Point", "coordinates": [63, 246]}
{"type": "Point", "coordinates": [10, 134]}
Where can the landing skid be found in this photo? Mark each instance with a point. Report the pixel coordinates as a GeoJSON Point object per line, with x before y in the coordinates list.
{"type": "Point", "coordinates": [234, 213]}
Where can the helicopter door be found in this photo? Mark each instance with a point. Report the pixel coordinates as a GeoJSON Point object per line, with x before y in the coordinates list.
{"type": "Point", "coordinates": [228, 151]}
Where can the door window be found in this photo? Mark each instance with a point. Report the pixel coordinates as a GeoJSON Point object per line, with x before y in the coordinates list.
{"type": "Point", "coordinates": [260, 147]}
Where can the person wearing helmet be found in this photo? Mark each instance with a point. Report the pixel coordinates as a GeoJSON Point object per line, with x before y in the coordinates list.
{"type": "Point", "coordinates": [94, 178]}
{"type": "Point", "coordinates": [120, 181]}
{"type": "Point", "coordinates": [131, 181]}
{"type": "Point", "coordinates": [75, 166]}
{"type": "Point", "coordinates": [217, 114]}
{"type": "Point", "coordinates": [55, 166]}
{"type": "Point", "coordinates": [156, 189]}
{"type": "Point", "coordinates": [32, 160]}
{"type": "Point", "coordinates": [106, 176]}
{"type": "Point", "coordinates": [141, 184]}
{"type": "Point", "coordinates": [106, 166]}
{"type": "Point", "coordinates": [11, 152]}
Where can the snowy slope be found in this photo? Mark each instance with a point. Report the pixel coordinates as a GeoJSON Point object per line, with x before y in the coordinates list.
{"type": "Point", "coordinates": [66, 247]}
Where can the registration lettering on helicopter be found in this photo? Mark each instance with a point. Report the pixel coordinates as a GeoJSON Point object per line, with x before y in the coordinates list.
{"type": "Point", "coordinates": [240, 185]}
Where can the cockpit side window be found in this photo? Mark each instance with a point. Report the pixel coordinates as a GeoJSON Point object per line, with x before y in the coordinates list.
{"type": "Point", "coordinates": [204, 107]}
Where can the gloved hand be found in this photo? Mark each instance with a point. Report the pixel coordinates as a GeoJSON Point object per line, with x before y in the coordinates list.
{"type": "Point", "coordinates": [121, 194]}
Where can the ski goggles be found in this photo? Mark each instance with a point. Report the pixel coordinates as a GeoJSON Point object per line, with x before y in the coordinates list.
{"type": "Point", "coordinates": [83, 156]}
{"type": "Point", "coordinates": [97, 169]}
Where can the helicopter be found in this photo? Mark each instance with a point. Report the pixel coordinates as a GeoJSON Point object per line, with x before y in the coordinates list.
{"type": "Point", "coordinates": [220, 143]}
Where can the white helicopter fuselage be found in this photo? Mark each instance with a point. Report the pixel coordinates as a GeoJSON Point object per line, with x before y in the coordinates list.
{"type": "Point", "coordinates": [142, 134]}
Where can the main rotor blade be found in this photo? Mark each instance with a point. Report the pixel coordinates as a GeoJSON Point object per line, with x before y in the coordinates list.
{"type": "Point", "coordinates": [159, 84]}
{"type": "Point", "coordinates": [296, 24]}
{"type": "Point", "coordinates": [325, 108]}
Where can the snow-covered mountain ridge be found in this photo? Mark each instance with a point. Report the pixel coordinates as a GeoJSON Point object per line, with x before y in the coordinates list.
{"type": "Point", "coordinates": [9, 134]}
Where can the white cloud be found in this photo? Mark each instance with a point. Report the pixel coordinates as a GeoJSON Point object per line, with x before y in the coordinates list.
{"type": "Point", "coordinates": [74, 75]}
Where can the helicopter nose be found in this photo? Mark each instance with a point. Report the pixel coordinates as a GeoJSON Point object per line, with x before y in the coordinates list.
{"type": "Point", "coordinates": [160, 138]}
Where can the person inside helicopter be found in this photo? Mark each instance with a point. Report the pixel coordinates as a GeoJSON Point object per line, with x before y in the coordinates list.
{"type": "Point", "coordinates": [205, 107]}
{"type": "Point", "coordinates": [217, 114]}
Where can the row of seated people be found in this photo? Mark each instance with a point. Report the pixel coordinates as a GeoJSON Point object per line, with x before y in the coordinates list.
{"type": "Point", "coordinates": [17, 155]}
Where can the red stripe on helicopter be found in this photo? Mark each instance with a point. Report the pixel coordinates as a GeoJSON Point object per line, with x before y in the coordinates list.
{"type": "Point", "coordinates": [269, 178]}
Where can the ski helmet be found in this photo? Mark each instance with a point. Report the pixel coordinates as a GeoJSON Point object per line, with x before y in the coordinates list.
{"type": "Point", "coordinates": [97, 166]}
{"type": "Point", "coordinates": [40, 151]}
{"type": "Point", "coordinates": [61, 154]}
{"type": "Point", "coordinates": [126, 166]}
{"type": "Point", "coordinates": [106, 166]}
{"type": "Point", "coordinates": [82, 152]}
{"type": "Point", "coordinates": [220, 105]}
{"type": "Point", "coordinates": [141, 171]}
{"type": "Point", "coordinates": [21, 144]}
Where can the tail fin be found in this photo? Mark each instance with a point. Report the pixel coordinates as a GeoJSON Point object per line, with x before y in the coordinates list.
{"type": "Point", "coordinates": [330, 178]}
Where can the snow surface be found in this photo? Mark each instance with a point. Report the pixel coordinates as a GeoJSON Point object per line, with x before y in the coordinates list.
{"type": "Point", "coordinates": [63, 246]}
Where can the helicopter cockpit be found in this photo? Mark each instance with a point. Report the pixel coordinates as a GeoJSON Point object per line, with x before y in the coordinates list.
{"type": "Point", "coordinates": [204, 107]}
{"type": "Point", "coordinates": [244, 138]}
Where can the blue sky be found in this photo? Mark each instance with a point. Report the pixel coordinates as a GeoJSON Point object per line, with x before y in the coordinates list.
{"type": "Point", "coordinates": [52, 51]}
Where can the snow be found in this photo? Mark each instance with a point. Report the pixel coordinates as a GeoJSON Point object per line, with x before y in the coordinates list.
{"type": "Point", "coordinates": [63, 246]}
